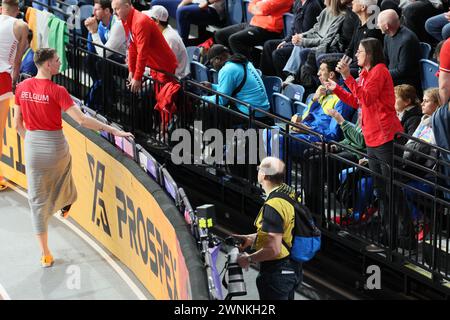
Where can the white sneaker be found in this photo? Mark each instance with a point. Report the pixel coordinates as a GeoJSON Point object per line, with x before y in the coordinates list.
{"type": "Point", "coordinates": [290, 79]}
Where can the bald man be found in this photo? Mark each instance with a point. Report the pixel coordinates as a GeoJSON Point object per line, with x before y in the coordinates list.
{"type": "Point", "coordinates": [13, 43]}
{"type": "Point", "coordinates": [278, 275]}
{"type": "Point", "coordinates": [401, 50]}
{"type": "Point", "coordinates": [147, 46]}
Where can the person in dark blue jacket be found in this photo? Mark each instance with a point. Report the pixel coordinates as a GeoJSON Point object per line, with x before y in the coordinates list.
{"type": "Point", "coordinates": [316, 117]}
{"type": "Point", "coordinates": [28, 66]}
{"type": "Point", "coordinates": [277, 52]}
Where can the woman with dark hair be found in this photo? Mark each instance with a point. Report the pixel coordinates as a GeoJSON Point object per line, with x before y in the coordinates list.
{"type": "Point", "coordinates": [374, 94]}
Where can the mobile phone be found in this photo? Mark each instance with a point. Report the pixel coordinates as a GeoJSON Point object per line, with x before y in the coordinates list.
{"type": "Point", "coordinates": [346, 59]}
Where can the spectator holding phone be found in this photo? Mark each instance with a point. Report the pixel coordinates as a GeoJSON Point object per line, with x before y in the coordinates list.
{"type": "Point", "coordinates": [374, 94]}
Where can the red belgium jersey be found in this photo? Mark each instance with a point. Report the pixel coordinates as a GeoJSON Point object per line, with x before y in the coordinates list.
{"type": "Point", "coordinates": [41, 102]}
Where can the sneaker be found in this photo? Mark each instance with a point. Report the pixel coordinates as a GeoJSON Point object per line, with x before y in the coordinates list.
{"type": "Point", "coordinates": [290, 79]}
{"type": "Point", "coordinates": [345, 219]}
{"type": "Point", "coordinates": [373, 248]}
{"type": "Point", "coordinates": [64, 212]}
{"type": "Point", "coordinates": [3, 185]}
{"type": "Point", "coordinates": [47, 261]}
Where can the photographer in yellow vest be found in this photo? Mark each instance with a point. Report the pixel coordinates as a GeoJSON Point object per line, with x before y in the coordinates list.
{"type": "Point", "coordinates": [279, 275]}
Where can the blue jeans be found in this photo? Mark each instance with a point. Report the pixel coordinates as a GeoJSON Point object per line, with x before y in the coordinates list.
{"type": "Point", "coordinates": [438, 27]}
{"type": "Point", "coordinates": [192, 14]}
{"type": "Point", "coordinates": [277, 280]}
{"type": "Point", "coordinates": [298, 56]}
{"type": "Point", "coordinates": [170, 5]}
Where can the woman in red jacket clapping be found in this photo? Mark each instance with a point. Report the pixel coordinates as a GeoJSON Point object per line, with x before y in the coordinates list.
{"type": "Point", "coordinates": [374, 94]}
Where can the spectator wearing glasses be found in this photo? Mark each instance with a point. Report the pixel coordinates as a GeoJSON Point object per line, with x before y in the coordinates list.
{"type": "Point", "coordinates": [374, 94]}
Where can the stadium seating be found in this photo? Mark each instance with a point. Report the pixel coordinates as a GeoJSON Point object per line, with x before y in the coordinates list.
{"type": "Point", "coordinates": [273, 85]}
{"type": "Point", "coordinates": [428, 71]}
{"type": "Point", "coordinates": [425, 50]}
{"type": "Point", "coordinates": [282, 106]}
{"type": "Point", "coordinates": [294, 92]}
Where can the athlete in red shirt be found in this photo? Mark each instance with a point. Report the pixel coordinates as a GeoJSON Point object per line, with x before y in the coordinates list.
{"type": "Point", "coordinates": [37, 118]}
{"type": "Point", "coordinates": [147, 46]}
{"type": "Point", "coordinates": [444, 72]}
{"type": "Point", "coordinates": [13, 42]}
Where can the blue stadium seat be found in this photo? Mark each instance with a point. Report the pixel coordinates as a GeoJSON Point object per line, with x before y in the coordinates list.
{"type": "Point", "coordinates": [282, 106]}
{"type": "Point", "coordinates": [39, 7]}
{"type": "Point", "coordinates": [273, 85]}
{"type": "Point", "coordinates": [213, 76]}
{"type": "Point", "coordinates": [199, 72]}
{"type": "Point", "coordinates": [428, 71]}
{"type": "Point", "coordinates": [86, 11]}
{"type": "Point", "coordinates": [294, 92]}
{"type": "Point", "coordinates": [248, 15]}
{"type": "Point", "coordinates": [425, 50]}
{"type": "Point", "coordinates": [71, 2]}
{"type": "Point", "coordinates": [288, 19]}
{"type": "Point", "coordinates": [235, 11]}
{"type": "Point", "coordinates": [193, 53]}
{"type": "Point", "coordinates": [299, 107]}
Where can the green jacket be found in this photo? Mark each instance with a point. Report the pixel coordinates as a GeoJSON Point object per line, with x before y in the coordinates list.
{"type": "Point", "coordinates": [353, 136]}
{"type": "Point", "coordinates": [58, 39]}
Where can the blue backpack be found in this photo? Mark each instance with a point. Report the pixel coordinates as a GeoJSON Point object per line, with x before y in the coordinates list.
{"type": "Point", "coordinates": [306, 237]}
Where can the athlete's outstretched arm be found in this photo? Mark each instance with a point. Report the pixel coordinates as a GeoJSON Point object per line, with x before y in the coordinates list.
{"type": "Point", "coordinates": [75, 113]}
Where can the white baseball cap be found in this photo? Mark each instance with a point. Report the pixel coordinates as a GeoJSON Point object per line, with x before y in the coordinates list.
{"type": "Point", "coordinates": [158, 12]}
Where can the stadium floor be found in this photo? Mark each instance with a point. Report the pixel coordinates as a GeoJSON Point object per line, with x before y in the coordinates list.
{"type": "Point", "coordinates": [101, 275]}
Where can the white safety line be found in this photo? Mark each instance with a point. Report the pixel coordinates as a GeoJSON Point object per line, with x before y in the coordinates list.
{"type": "Point", "coordinates": [96, 247]}
{"type": "Point", "coordinates": [3, 294]}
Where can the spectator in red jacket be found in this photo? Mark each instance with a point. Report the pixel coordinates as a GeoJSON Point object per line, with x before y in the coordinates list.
{"type": "Point", "coordinates": [374, 94]}
{"type": "Point", "coordinates": [266, 24]}
{"type": "Point", "coordinates": [444, 72]}
{"type": "Point", "coordinates": [147, 46]}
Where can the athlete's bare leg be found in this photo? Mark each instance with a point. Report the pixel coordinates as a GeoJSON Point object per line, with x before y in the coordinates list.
{"type": "Point", "coordinates": [4, 109]}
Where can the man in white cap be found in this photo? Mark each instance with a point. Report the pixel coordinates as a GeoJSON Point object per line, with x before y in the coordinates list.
{"type": "Point", "coordinates": [160, 15]}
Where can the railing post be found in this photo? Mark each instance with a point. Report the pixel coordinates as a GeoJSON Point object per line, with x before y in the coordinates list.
{"type": "Point", "coordinates": [76, 64]}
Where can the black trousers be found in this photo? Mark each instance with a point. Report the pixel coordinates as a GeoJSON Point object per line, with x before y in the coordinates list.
{"type": "Point", "coordinates": [241, 38]}
{"type": "Point", "coordinates": [415, 15]}
{"type": "Point", "coordinates": [383, 153]}
{"type": "Point", "coordinates": [273, 60]}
